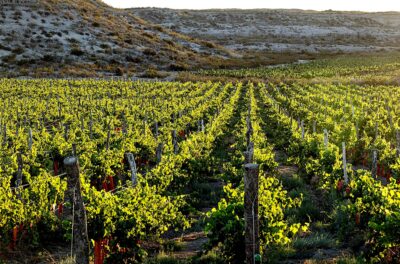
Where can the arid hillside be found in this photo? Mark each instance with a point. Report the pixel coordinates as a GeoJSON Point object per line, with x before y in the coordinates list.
{"type": "Point", "coordinates": [88, 38]}
{"type": "Point", "coordinates": [283, 31]}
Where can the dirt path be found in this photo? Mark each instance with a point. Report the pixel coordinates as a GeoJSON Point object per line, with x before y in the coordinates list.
{"type": "Point", "coordinates": [192, 245]}
{"type": "Point", "coordinates": [314, 251]}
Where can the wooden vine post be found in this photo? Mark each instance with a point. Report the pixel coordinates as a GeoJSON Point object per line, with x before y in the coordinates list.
{"type": "Point", "coordinates": [398, 142]}
{"type": "Point", "coordinates": [249, 131]}
{"type": "Point", "coordinates": [346, 177]}
{"type": "Point", "coordinates": [66, 131]}
{"type": "Point", "coordinates": [132, 165]}
{"type": "Point", "coordinates": [249, 154]}
{"type": "Point", "coordinates": [175, 142]}
{"type": "Point", "coordinates": [156, 129]}
{"type": "Point", "coordinates": [314, 126]}
{"type": "Point", "coordinates": [30, 139]}
{"type": "Point", "coordinates": [19, 174]}
{"type": "Point", "coordinates": [80, 240]}
{"type": "Point", "coordinates": [374, 169]}
{"type": "Point", "coordinates": [326, 138]}
{"type": "Point", "coordinates": [252, 244]}
{"type": "Point", "coordinates": [4, 135]}
{"type": "Point", "coordinates": [91, 126]}
{"type": "Point", "coordinates": [357, 131]}
{"type": "Point", "coordinates": [159, 151]}
{"type": "Point", "coordinates": [108, 135]}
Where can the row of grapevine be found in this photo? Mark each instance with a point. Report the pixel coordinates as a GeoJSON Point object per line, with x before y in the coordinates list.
{"type": "Point", "coordinates": [367, 204]}
{"type": "Point", "coordinates": [45, 121]}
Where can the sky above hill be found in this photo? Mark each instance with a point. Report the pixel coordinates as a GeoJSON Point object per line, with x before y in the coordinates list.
{"type": "Point", "coordinates": [361, 5]}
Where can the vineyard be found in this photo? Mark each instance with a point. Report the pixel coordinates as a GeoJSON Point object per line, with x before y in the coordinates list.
{"type": "Point", "coordinates": [156, 161]}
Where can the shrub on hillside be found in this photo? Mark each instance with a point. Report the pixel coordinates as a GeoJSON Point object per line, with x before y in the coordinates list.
{"type": "Point", "coordinates": [178, 67]}
{"type": "Point", "coordinates": [149, 52]}
{"type": "Point", "coordinates": [119, 71]}
{"type": "Point", "coordinates": [77, 52]}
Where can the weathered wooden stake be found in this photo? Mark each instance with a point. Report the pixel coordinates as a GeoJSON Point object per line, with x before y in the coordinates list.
{"type": "Point", "coordinates": [398, 142]}
{"type": "Point", "coordinates": [357, 132]}
{"type": "Point", "coordinates": [19, 174]}
{"type": "Point", "coordinates": [132, 165]}
{"type": "Point", "coordinates": [82, 123]}
{"type": "Point", "coordinates": [390, 120]}
{"type": "Point", "coordinates": [346, 178]}
{"type": "Point", "coordinates": [59, 110]}
{"type": "Point", "coordinates": [30, 139]}
{"type": "Point", "coordinates": [159, 152]}
{"type": "Point", "coordinates": [4, 134]}
{"type": "Point", "coordinates": [80, 241]}
{"type": "Point", "coordinates": [249, 131]}
{"type": "Point", "coordinates": [66, 130]}
{"type": "Point", "coordinates": [91, 126]}
{"type": "Point", "coordinates": [326, 138]}
{"type": "Point", "coordinates": [108, 136]}
{"type": "Point", "coordinates": [17, 129]}
{"type": "Point", "coordinates": [314, 127]}
{"type": "Point", "coordinates": [74, 149]}
{"type": "Point", "coordinates": [249, 154]}
{"type": "Point", "coordinates": [252, 244]}
{"type": "Point", "coordinates": [175, 142]}
{"type": "Point", "coordinates": [374, 169]}
{"type": "Point", "coordinates": [144, 127]}
{"type": "Point", "coordinates": [124, 127]}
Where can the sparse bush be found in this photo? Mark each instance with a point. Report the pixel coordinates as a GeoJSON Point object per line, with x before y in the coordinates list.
{"type": "Point", "coordinates": [119, 71]}
{"type": "Point", "coordinates": [17, 15]}
{"type": "Point", "coordinates": [105, 46]}
{"type": "Point", "coordinates": [150, 36]}
{"type": "Point", "coordinates": [133, 59]}
{"type": "Point", "coordinates": [152, 73]}
{"type": "Point", "coordinates": [4, 47]}
{"type": "Point", "coordinates": [209, 44]}
{"type": "Point", "coordinates": [159, 28]}
{"type": "Point", "coordinates": [48, 58]}
{"type": "Point", "coordinates": [10, 58]}
{"type": "Point", "coordinates": [128, 41]}
{"type": "Point", "coordinates": [72, 40]}
{"type": "Point", "coordinates": [169, 42]}
{"type": "Point", "coordinates": [25, 62]}
{"type": "Point", "coordinates": [178, 67]}
{"type": "Point", "coordinates": [149, 52]}
{"type": "Point", "coordinates": [77, 51]}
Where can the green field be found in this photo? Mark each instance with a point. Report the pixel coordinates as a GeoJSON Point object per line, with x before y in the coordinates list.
{"type": "Point", "coordinates": [188, 140]}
